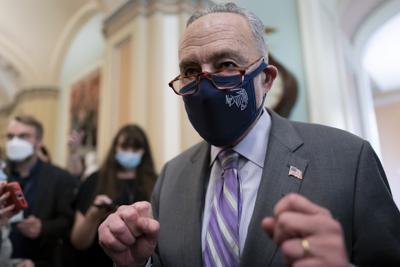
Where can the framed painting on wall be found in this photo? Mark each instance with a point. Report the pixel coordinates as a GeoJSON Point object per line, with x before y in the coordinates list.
{"type": "Point", "coordinates": [84, 108]}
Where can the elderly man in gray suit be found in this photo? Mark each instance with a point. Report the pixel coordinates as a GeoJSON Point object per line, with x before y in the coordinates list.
{"type": "Point", "coordinates": [260, 190]}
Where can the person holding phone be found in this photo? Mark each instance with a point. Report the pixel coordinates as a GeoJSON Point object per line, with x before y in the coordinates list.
{"type": "Point", "coordinates": [5, 214]}
{"type": "Point", "coordinates": [126, 176]}
{"type": "Point", "coordinates": [49, 192]}
{"type": "Point", "coordinates": [7, 210]}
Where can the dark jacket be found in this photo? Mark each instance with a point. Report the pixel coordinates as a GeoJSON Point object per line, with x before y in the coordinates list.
{"type": "Point", "coordinates": [340, 172]}
{"type": "Point", "coordinates": [54, 193]}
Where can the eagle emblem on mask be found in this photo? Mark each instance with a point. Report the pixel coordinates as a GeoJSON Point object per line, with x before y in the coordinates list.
{"type": "Point", "coordinates": [240, 99]}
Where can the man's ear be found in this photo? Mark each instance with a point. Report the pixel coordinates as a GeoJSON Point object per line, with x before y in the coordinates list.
{"type": "Point", "coordinates": [270, 74]}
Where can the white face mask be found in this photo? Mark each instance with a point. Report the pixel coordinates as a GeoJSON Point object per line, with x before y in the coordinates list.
{"type": "Point", "coordinates": [18, 149]}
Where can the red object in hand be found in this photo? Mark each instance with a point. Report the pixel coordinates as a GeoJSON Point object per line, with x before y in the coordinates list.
{"type": "Point", "coordinates": [16, 196]}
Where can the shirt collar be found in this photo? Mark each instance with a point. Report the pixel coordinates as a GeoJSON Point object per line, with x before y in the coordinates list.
{"type": "Point", "coordinates": [254, 144]}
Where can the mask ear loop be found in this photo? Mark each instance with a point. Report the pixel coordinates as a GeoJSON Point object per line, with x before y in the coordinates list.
{"type": "Point", "coordinates": [260, 109]}
{"type": "Point", "coordinates": [263, 100]}
{"type": "Point", "coordinates": [265, 94]}
{"type": "Point", "coordinates": [253, 75]}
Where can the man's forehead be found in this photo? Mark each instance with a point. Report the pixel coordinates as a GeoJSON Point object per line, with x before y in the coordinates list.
{"type": "Point", "coordinates": [213, 19]}
{"type": "Point", "coordinates": [20, 127]}
{"type": "Point", "coordinates": [216, 22]}
{"type": "Point", "coordinates": [218, 31]}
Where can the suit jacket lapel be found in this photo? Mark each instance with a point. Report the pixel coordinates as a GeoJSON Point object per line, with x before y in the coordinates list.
{"type": "Point", "coordinates": [196, 175]}
{"type": "Point", "coordinates": [275, 183]}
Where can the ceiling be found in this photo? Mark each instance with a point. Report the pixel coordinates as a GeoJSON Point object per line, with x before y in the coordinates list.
{"type": "Point", "coordinates": [354, 12]}
{"type": "Point", "coordinates": [34, 37]}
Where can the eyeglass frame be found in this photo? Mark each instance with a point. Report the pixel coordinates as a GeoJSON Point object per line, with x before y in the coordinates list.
{"type": "Point", "coordinates": [208, 75]}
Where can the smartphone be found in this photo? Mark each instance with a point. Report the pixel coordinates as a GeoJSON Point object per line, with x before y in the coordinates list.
{"type": "Point", "coordinates": [16, 196]}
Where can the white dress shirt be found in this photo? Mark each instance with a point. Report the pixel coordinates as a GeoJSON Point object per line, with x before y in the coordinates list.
{"type": "Point", "coordinates": [252, 150]}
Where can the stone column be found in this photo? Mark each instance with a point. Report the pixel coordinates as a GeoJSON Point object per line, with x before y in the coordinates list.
{"type": "Point", "coordinates": [142, 40]}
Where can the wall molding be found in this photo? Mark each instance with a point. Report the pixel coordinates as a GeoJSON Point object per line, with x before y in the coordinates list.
{"type": "Point", "coordinates": [64, 41]}
{"type": "Point", "coordinates": [29, 92]}
{"type": "Point", "coordinates": [10, 78]}
{"type": "Point", "coordinates": [133, 8]}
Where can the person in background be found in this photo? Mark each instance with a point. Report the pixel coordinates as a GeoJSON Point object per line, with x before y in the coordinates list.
{"type": "Point", "coordinates": [82, 162]}
{"type": "Point", "coordinates": [5, 215]}
{"type": "Point", "coordinates": [260, 190]}
{"type": "Point", "coordinates": [44, 154]}
{"type": "Point", "coordinates": [75, 164]}
{"type": "Point", "coordinates": [6, 212]}
{"type": "Point", "coordinates": [126, 176]}
{"type": "Point", "coordinates": [49, 191]}
{"type": "Point", "coordinates": [90, 163]}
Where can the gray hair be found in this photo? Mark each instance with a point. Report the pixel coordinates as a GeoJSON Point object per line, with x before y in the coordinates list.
{"type": "Point", "coordinates": [256, 25]}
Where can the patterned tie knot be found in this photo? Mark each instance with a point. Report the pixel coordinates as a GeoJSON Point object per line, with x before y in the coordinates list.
{"type": "Point", "coordinates": [229, 159]}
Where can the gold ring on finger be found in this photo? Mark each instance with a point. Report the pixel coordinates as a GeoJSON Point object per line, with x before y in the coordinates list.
{"type": "Point", "coordinates": [306, 247]}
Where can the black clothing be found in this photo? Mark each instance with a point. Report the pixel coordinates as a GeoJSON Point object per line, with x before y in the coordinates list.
{"type": "Point", "coordinates": [50, 192]}
{"type": "Point", "coordinates": [94, 255]}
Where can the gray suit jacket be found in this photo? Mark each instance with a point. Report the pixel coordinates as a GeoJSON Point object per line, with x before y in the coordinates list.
{"type": "Point", "coordinates": [341, 172]}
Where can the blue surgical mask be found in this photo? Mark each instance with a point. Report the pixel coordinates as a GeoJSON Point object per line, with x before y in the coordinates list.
{"type": "Point", "coordinates": [128, 160]}
{"type": "Point", "coordinates": [222, 117]}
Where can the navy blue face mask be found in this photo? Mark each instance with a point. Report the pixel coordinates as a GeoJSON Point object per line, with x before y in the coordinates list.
{"type": "Point", "coordinates": [222, 117]}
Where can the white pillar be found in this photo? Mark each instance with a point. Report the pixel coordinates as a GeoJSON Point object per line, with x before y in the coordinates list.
{"type": "Point", "coordinates": [324, 63]}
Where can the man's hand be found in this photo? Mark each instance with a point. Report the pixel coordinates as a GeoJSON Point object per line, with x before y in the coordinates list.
{"type": "Point", "coordinates": [129, 236]}
{"type": "Point", "coordinates": [75, 141]}
{"type": "Point", "coordinates": [306, 233]}
{"type": "Point", "coordinates": [26, 263]}
{"type": "Point", "coordinates": [6, 212]}
{"type": "Point", "coordinates": [30, 227]}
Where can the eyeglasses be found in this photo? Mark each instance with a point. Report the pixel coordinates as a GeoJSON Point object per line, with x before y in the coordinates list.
{"type": "Point", "coordinates": [188, 85]}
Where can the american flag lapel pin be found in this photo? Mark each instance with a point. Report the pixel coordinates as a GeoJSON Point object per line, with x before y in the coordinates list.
{"type": "Point", "coordinates": [295, 172]}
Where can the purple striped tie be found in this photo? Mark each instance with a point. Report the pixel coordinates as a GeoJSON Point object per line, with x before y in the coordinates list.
{"type": "Point", "coordinates": [222, 238]}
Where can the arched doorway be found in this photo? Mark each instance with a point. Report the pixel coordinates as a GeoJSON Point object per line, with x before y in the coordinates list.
{"type": "Point", "coordinates": [377, 41]}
